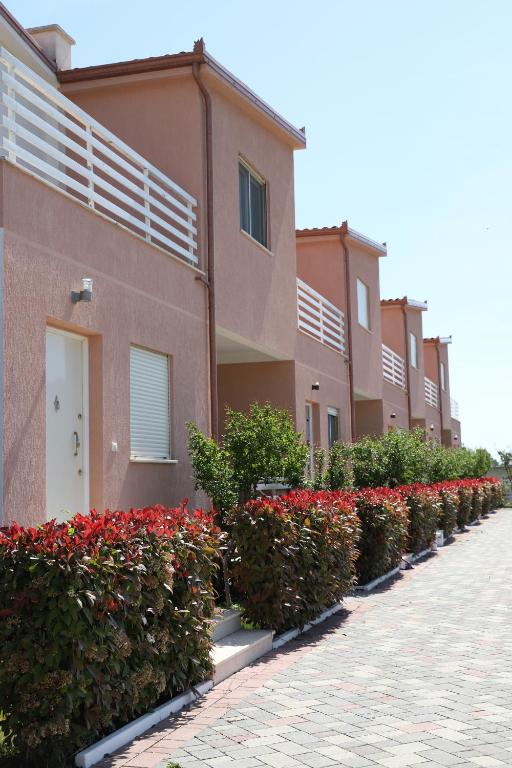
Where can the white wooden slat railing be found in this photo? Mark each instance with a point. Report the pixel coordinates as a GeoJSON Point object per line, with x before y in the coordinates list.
{"type": "Point", "coordinates": [431, 393]}
{"type": "Point", "coordinates": [319, 318]}
{"type": "Point", "coordinates": [454, 409]}
{"type": "Point", "coordinates": [51, 137]}
{"type": "Point", "coordinates": [393, 367]}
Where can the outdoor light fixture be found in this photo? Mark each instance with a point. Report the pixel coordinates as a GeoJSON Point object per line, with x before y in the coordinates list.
{"type": "Point", "coordinates": [455, 437]}
{"type": "Point", "coordinates": [316, 386]}
{"type": "Point", "coordinates": [85, 294]}
{"type": "Point", "coordinates": [392, 415]}
{"type": "Point", "coordinates": [431, 427]}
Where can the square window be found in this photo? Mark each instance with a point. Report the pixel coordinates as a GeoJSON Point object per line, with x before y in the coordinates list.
{"type": "Point", "coordinates": [253, 204]}
{"type": "Point", "coordinates": [363, 304]}
{"type": "Point", "coordinates": [150, 436]}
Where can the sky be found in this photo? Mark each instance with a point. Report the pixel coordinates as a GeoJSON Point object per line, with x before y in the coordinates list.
{"type": "Point", "coordinates": [408, 114]}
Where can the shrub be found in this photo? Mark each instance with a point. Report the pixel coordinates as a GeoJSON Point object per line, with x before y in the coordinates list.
{"type": "Point", "coordinates": [101, 618]}
{"type": "Point", "coordinates": [333, 470]}
{"type": "Point", "coordinates": [497, 493]}
{"type": "Point", "coordinates": [293, 556]}
{"type": "Point", "coordinates": [448, 508]}
{"type": "Point", "coordinates": [424, 506]}
{"type": "Point", "coordinates": [465, 492]}
{"type": "Point", "coordinates": [383, 539]}
{"type": "Point", "coordinates": [476, 502]}
{"type": "Point", "coordinates": [258, 447]}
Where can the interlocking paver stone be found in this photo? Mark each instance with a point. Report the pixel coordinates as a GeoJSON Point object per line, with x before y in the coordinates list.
{"type": "Point", "coordinates": [418, 673]}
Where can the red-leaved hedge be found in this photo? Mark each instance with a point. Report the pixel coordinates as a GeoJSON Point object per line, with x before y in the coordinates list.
{"type": "Point", "coordinates": [423, 504]}
{"type": "Point", "coordinates": [293, 556]}
{"type": "Point", "coordinates": [384, 526]}
{"type": "Point", "coordinates": [100, 619]}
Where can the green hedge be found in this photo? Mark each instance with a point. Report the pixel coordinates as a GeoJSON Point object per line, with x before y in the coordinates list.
{"type": "Point", "coordinates": [101, 618]}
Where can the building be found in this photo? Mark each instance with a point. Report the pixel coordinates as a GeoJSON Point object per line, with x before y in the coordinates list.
{"type": "Point", "coordinates": [152, 275]}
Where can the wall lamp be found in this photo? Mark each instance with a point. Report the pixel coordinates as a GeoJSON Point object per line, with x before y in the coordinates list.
{"type": "Point", "coordinates": [392, 415]}
{"type": "Point", "coordinates": [455, 437]}
{"type": "Point", "coordinates": [85, 293]}
{"type": "Point", "coordinates": [432, 427]}
{"type": "Point", "coordinates": [315, 386]}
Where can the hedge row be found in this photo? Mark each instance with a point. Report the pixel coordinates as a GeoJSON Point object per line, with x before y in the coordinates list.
{"type": "Point", "coordinates": [296, 555]}
{"type": "Point", "coordinates": [105, 616]}
{"type": "Point", "coordinates": [101, 618]}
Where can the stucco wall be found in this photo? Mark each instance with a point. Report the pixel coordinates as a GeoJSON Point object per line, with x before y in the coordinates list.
{"type": "Point", "coordinates": [369, 417]}
{"type": "Point", "coordinates": [141, 296]}
{"type": "Point", "coordinates": [241, 384]}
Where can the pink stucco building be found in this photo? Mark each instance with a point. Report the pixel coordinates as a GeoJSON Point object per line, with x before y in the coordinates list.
{"type": "Point", "coordinates": [151, 275]}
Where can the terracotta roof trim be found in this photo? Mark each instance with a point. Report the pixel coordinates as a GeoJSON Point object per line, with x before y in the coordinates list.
{"type": "Point", "coordinates": [405, 302]}
{"type": "Point", "coordinates": [176, 60]}
{"type": "Point", "coordinates": [344, 228]}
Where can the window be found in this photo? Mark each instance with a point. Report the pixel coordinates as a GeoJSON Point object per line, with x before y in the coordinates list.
{"type": "Point", "coordinates": [333, 426]}
{"type": "Point", "coordinates": [149, 405]}
{"type": "Point", "coordinates": [414, 351]}
{"type": "Point", "coordinates": [363, 304]}
{"type": "Point", "coordinates": [253, 204]}
{"type": "Point", "coordinates": [443, 377]}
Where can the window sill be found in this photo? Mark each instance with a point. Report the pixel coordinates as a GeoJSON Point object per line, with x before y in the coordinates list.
{"type": "Point", "coordinates": [141, 460]}
{"type": "Point", "coordinates": [256, 242]}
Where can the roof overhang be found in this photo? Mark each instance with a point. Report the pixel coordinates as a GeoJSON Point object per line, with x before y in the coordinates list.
{"type": "Point", "coordinates": [200, 56]}
{"type": "Point", "coordinates": [27, 39]}
{"type": "Point", "coordinates": [422, 306]}
{"type": "Point", "coordinates": [438, 340]}
{"type": "Point", "coordinates": [379, 248]}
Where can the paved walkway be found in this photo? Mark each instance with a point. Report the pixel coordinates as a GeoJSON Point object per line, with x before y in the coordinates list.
{"type": "Point", "coordinates": [419, 673]}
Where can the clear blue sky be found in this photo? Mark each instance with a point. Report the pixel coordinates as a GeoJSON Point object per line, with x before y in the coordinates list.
{"type": "Point", "coordinates": [408, 112]}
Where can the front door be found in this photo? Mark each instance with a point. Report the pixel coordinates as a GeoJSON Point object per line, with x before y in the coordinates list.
{"type": "Point", "coordinates": [66, 425]}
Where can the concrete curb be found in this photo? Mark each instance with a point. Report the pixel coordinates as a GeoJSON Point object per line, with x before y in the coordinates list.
{"type": "Point", "coordinates": [125, 735]}
{"type": "Point", "coordinates": [293, 633]}
{"type": "Point", "coordinates": [379, 580]}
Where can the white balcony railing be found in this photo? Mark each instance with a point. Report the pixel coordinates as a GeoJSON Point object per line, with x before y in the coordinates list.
{"type": "Point", "coordinates": [431, 393]}
{"type": "Point", "coordinates": [51, 137]}
{"type": "Point", "coordinates": [317, 317]}
{"type": "Point", "coordinates": [454, 409]}
{"type": "Point", "coordinates": [393, 367]}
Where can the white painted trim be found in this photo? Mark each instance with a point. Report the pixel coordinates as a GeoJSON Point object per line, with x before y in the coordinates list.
{"type": "Point", "coordinates": [380, 247]}
{"type": "Point", "coordinates": [375, 583]}
{"type": "Point", "coordinates": [123, 736]}
{"type": "Point", "coordinates": [1, 376]}
{"type": "Point", "coordinates": [293, 633]}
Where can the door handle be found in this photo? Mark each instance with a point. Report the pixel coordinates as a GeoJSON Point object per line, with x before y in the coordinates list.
{"type": "Point", "coordinates": [77, 443]}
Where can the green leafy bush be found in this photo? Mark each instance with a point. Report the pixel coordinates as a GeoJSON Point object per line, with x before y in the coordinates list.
{"type": "Point", "coordinates": [384, 524]}
{"type": "Point", "coordinates": [333, 469]}
{"type": "Point", "coordinates": [101, 619]}
{"type": "Point", "coordinates": [293, 556]}
{"type": "Point", "coordinates": [261, 446]}
{"type": "Point", "coordinates": [465, 491]}
{"type": "Point", "coordinates": [423, 506]}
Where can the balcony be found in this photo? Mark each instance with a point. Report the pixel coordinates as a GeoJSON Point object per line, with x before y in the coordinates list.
{"type": "Point", "coordinates": [431, 393]}
{"type": "Point", "coordinates": [393, 367]}
{"type": "Point", "coordinates": [454, 409]}
{"type": "Point", "coordinates": [320, 319]}
{"type": "Point", "coordinates": [50, 137]}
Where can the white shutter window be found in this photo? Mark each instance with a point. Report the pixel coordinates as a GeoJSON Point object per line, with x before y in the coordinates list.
{"type": "Point", "coordinates": [149, 405]}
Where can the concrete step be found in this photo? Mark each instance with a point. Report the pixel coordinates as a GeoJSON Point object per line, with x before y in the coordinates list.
{"type": "Point", "coordinates": [236, 651]}
{"type": "Point", "coordinates": [226, 622]}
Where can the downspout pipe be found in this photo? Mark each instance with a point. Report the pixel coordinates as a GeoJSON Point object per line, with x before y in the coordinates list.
{"type": "Point", "coordinates": [407, 364]}
{"type": "Point", "coordinates": [210, 243]}
{"type": "Point", "coordinates": [438, 353]}
{"type": "Point", "coordinates": [348, 326]}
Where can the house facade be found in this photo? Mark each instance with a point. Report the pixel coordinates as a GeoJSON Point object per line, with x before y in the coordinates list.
{"type": "Point", "coordinates": [152, 275]}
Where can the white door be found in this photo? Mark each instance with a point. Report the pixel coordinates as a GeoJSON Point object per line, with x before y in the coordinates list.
{"type": "Point", "coordinates": [67, 489]}
{"type": "Point", "coordinates": [309, 438]}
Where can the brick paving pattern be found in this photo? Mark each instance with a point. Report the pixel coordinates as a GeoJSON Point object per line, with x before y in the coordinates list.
{"type": "Point", "coordinates": [418, 673]}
